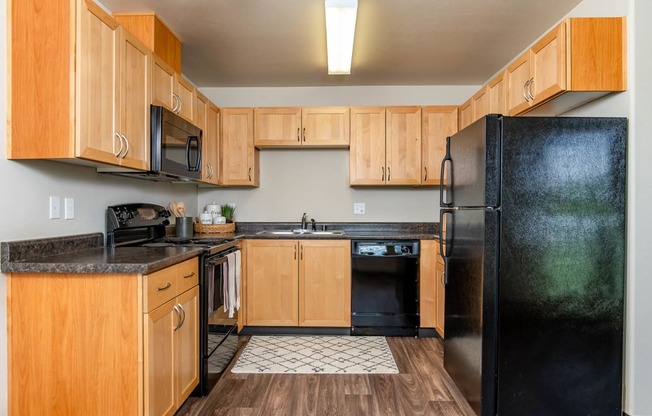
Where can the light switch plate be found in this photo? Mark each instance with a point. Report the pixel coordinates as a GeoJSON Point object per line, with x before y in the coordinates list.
{"type": "Point", "coordinates": [358, 207]}
{"type": "Point", "coordinates": [69, 208]}
{"type": "Point", "coordinates": [55, 207]}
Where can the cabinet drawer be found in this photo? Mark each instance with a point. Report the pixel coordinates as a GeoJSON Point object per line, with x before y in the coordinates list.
{"type": "Point", "coordinates": [187, 275]}
{"type": "Point", "coordinates": [160, 287]}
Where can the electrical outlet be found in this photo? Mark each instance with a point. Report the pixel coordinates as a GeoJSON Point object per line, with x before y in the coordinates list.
{"type": "Point", "coordinates": [358, 207]}
{"type": "Point", "coordinates": [55, 207]}
{"type": "Point", "coordinates": [69, 208]}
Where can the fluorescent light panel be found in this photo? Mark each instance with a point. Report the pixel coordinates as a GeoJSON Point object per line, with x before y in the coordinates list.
{"type": "Point", "coordinates": [340, 31]}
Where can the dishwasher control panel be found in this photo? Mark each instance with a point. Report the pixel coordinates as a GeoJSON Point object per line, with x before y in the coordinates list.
{"type": "Point", "coordinates": [385, 248]}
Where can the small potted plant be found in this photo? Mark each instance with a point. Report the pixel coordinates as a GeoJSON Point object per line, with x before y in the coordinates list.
{"type": "Point", "coordinates": [228, 212]}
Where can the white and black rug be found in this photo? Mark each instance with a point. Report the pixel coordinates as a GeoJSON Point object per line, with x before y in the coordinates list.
{"type": "Point", "coordinates": [316, 355]}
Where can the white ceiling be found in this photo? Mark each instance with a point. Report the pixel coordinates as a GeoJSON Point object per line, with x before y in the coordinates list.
{"type": "Point", "coordinates": [282, 43]}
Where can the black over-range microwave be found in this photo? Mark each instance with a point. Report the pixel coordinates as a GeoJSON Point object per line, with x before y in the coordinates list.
{"type": "Point", "coordinates": [175, 149]}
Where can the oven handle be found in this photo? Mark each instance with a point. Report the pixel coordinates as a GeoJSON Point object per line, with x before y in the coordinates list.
{"type": "Point", "coordinates": [217, 261]}
{"type": "Point", "coordinates": [220, 258]}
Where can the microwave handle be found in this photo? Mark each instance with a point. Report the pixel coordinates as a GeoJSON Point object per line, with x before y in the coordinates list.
{"type": "Point", "coordinates": [197, 165]}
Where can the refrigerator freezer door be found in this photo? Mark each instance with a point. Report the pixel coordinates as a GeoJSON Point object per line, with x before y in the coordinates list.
{"type": "Point", "coordinates": [470, 341]}
{"type": "Point", "coordinates": [471, 168]}
{"type": "Point", "coordinates": [562, 261]}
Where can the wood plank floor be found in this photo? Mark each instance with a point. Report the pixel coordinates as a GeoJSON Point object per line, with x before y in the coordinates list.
{"type": "Point", "coordinates": [422, 387]}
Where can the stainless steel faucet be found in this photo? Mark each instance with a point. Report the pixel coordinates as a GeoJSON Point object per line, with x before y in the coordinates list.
{"type": "Point", "coordinates": [304, 221]}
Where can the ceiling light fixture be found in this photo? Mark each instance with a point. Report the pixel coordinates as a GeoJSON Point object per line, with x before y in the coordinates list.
{"type": "Point", "coordinates": [340, 31]}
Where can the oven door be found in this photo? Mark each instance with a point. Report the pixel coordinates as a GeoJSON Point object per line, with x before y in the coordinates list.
{"type": "Point", "coordinates": [219, 337]}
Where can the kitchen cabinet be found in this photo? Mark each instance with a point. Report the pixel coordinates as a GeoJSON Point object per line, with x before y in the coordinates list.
{"type": "Point", "coordinates": [172, 90]}
{"type": "Point", "coordinates": [301, 127]}
{"type": "Point", "coordinates": [582, 56]}
{"type": "Point", "coordinates": [498, 94]}
{"type": "Point", "coordinates": [239, 159]}
{"type": "Point", "coordinates": [211, 146]}
{"type": "Point", "coordinates": [154, 34]}
{"type": "Point", "coordinates": [437, 123]}
{"type": "Point", "coordinates": [432, 292]}
{"type": "Point", "coordinates": [466, 113]}
{"type": "Point", "coordinates": [304, 283]}
{"type": "Point", "coordinates": [440, 292]}
{"type": "Point", "coordinates": [385, 146]}
{"type": "Point", "coordinates": [480, 103]}
{"type": "Point", "coordinates": [107, 341]}
{"type": "Point", "coordinates": [171, 340]}
{"type": "Point", "coordinates": [95, 96]}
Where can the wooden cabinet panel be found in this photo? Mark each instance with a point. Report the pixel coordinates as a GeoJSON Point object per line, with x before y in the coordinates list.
{"type": "Point", "coordinates": [185, 92]}
{"type": "Point", "coordinates": [211, 146]}
{"type": "Point", "coordinates": [403, 146]}
{"type": "Point", "coordinates": [325, 126]}
{"type": "Point", "coordinates": [518, 74]}
{"type": "Point", "coordinates": [325, 283]}
{"type": "Point", "coordinates": [186, 274]}
{"type": "Point", "coordinates": [272, 282]}
{"type": "Point", "coordinates": [201, 115]}
{"type": "Point", "coordinates": [187, 345]}
{"type": "Point", "coordinates": [239, 159]}
{"type": "Point", "coordinates": [480, 103]}
{"type": "Point", "coordinates": [498, 94]}
{"type": "Point", "coordinates": [438, 122]}
{"type": "Point", "coordinates": [367, 153]}
{"type": "Point", "coordinates": [548, 66]}
{"type": "Point", "coordinates": [278, 126]}
{"type": "Point", "coordinates": [428, 284]}
{"type": "Point", "coordinates": [159, 359]}
{"type": "Point", "coordinates": [466, 113]}
{"type": "Point", "coordinates": [441, 293]}
{"type": "Point", "coordinates": [163, 84]}
{"type": "Point", "coordinates": [134, 110]}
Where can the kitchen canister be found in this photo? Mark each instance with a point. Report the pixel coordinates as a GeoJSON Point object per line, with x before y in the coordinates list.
{"type": "Point", "coordinates": [206, 217]}
{"type": "Point", "coordinates": [214, 208]}
{"type": "Point", "coordinates": [183, 227]}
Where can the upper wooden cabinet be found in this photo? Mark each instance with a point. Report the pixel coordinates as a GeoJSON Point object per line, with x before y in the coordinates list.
{"type": "Point", "coordinates": [585, 56]}
{"type": "Point", "coordinates": [466, 113]}
{"type": "Point", "coordinates": [211, 146]}
{"type": "Point", "coordinates": [92, 102]}
{"type": "Point", "coordinates": [498, 94]}
{"type": "Point", "coordinates": [480, 103]}
{"type": "Point", "coordinates": [239, 160]}
{"type": "Point", "coordinates": [385, 146]}
{"type": "Point", "coordinates": [437, 123]}
{"type": "Point", "coordinates": [172, 90]}
{"type": "Point", "coordinates": [308, 126]}
{"type": "Point", "coordinates": [151, 31]}
{"type": "Point", "coordinates": [305, 283]}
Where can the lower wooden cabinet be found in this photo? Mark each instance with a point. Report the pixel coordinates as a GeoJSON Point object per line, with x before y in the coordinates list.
{"type": "Point", "coordinates": [431, 287]}
{"type": "Point", "coordinates": [84, 344]}
{"type": "Point", "coordinates": [298, 283]}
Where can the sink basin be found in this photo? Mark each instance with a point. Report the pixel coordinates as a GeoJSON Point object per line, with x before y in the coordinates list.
{"type": "Point", "coordinates": [300, 231]}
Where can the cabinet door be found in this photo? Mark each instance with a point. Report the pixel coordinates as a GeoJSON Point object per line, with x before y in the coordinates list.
{"type": "Point", "coordinates": [98, 90]}
{"type": "Point", "coordinates": [428, 284]}
{"type": "Point", "coordinates": [437, 123]}
{"type": "Point", "coordinates": [367, 154]}
{"type": "Point", "coordinates": [272, 283]}
{"type": "Point", "coordinates": [481, 103]}
{"type": "Point", "coordinates": [548, 65]}
{"type": "Point", "coordinates": [277, 126]}
{"type": "Point", "coordinates": [201, 109]}
{"type": "Point", "coordinates": [325, 126]}
{"type": "Point", "coordinates": [497, 95]}
{"type": "Point", "coordinates": [441, 293]}
{"type": "Point", "coordinates": [239, 159]}
{"type": "Point", "coordinates": [325, 283]}
{"type": "Point", "coordinates": [187, 345]}
{"type": "Point", "coordinates": [159, 359]}
{"type": "Point", "coordinates": [518, 74]}
{"type": "Point", "coordinates": [163, 84]}
{"type": "Point", "coordinates": [186, 98]}
{"type": "Point", "coordinates": [134, 108]}
{"type": "Point", "coordinates": [466, 113]}
{"type": "Point", "coordinates": [403, 146]}
{"type": "Point", "coordinates": [211, 145]}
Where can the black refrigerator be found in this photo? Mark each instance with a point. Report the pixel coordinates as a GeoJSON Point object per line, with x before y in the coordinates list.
{"type": "Point", "coordinates": [534, 216]}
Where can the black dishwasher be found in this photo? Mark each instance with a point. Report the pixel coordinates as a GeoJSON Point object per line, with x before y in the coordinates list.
{"type": "Point", "coordinates": [385, 288]}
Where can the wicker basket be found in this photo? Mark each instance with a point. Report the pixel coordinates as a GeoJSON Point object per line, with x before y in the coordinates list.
{"type": "Point", "coordinates": [214, 228]}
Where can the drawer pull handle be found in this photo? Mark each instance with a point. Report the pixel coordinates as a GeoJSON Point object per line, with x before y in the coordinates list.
{"type": "Point", "coordinates": [166, 287]}
{"type": "Point", "coordinates": [186, 276]}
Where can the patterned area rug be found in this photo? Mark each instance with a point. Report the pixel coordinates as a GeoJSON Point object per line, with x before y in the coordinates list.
{"type": "Point", "coordinates": [316, 355]}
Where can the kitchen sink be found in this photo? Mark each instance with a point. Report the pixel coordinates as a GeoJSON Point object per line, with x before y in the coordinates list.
{"type": "Point", "coordinates": [300, 231]}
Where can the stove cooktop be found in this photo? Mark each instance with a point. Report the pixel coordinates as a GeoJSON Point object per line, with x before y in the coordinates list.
{"type": "Point", "coordinates": [187, 242]}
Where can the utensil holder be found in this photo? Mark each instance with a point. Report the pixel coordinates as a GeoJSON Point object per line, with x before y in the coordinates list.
{"type": "Point", "coordinates": [184, 227]}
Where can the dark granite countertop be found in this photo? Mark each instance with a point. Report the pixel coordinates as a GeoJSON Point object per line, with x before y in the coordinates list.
{"type": "Point", "coordinates": [86, 253]}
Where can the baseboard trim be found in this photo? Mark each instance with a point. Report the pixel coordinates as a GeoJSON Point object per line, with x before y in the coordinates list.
{"type": "Point", "coordinates": [291, 330]}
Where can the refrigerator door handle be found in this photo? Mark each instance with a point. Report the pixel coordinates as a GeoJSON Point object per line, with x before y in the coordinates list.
{"type": "Point", "coordinates": [445, 238]}
{"type": "Point", "coordinates": [442, 181]}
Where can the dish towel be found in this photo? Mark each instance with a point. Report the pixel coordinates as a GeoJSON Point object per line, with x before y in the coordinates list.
{"type": "Point", "coordinates": [231, 271]}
